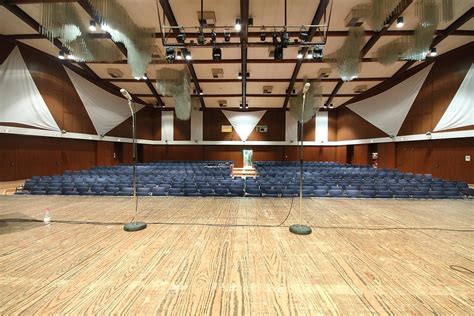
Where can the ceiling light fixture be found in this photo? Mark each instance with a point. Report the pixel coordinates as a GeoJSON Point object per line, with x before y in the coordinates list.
{"type": "Point", "coordinates": [226, 35]}
{"type": "Point", "coordinates": [179, 56]}
{"type": "Point", "coordinates": [433, 52]}
{"type": "Point", "coordinates": [239, 76]}
{"type": "Point", "coordinates": [263, 35]}
{"type": "Point", "coordinates": [278, 53]}
{"type": "Point", "coordinates": [300, 53]}
{"type": "Point", "coordinates": [92, 26]}
{"type": "Point", "coordinates": [216, 54]}
{"type": "Point", "coordinates": [213, 37]}
{"type": "Point", "coordinates": [188, 56]}
{"type": "Point", "coordinates": [169, 54]}
{"type": "Point", "coordinates": [400, 22]}
{"type": "Point", "coordinates": [61, 54]}
{"type": "Point", "coordinates": [309, 55]}
{"type": "Point", "coordinates": [237, 25]}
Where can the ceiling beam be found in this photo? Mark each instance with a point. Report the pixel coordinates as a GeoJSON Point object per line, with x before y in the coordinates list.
{"type": "Point", "coordinates": [318, 15]}
{"type": "Point", "coordinates": [252, 95]}
{"type": "Point", "coordinates": [165, 5]}
{"type": "Point", "coordinates": [217, 81]}
{"type": "Point", "coordinates": [244, 20]}
{"type": "Point", "coordinates": [399, 9]}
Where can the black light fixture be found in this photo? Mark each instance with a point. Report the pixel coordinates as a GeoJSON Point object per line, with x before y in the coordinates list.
{"type": "Point", "coordinates": [250, 23]}
{"type": "Point", "coordinates": [187, 55]}
{"type": "Point", "coordinates": [181, 37]}
{"type": "Point", "coordinates": [331, 106]}
{"type": "Point", "coordinates": [400, 22]}
{"type": "Point", "coordinates": [239, 76]}
{"type": "Point", "coordinates": [303, 35]}
{"type": "Point", "coordinates": [61, 54]}
{"type": "Point", "coordinates": [278, 53]}
{"type": "Point", "coordinates": [226, 35]}
{"type": "Point", "coordinates": [216, 54]}
{"type": "Point", "coordinates": [213, 37]}
{"type": "Point", "coordinates": [179, 56]}
{"type": "Point", "coordinates": [201, 39]}
{"type": "Point", "coordinates": [92, 26]}
{"type": "Point", "coordinates": [432, 52]}
{"type": "Point", "coordinates": [169, 54]}
{"type": "Point", "coordinates": [318, 52]}
{"type": "Point", "coordinates": [309, 55]}
{"type": "Point", "coordinates": [263, 35]}
{"type": "Point", "coordinates": [285, 40]}
{"type": "Point", "coordinates": [237, 25]}
{"type": "Point", "coordinates": [300, 54]}
{"type": "Point", "coordinates": [274, 38]}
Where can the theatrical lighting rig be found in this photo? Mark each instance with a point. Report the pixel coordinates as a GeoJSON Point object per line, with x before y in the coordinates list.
{"type": "Point", "coordinates": [170, 54]}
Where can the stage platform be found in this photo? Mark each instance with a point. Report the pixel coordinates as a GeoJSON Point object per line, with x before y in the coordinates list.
{"type": "Point", "coordinates": [364, 256]}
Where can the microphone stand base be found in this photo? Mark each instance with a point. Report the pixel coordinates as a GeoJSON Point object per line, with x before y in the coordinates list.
{"type": "Point", "coordinates": [134, 226]}
{"type": "Point", "coordinates": [300, 229]}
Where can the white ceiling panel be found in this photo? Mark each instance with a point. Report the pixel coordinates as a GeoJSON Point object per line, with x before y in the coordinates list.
{"type": "Point", "coordinates": [10, 24]}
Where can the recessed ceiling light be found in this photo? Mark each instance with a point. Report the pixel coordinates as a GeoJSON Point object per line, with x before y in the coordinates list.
{"type": "Point", "coordinates": [237, 25]}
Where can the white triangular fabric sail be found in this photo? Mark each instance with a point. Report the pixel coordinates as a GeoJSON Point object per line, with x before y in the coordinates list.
{"type": "Point", "coordinates": [20, 100]}
{"type": "Point", "coordinates": [105, 109]}
{"type": "Point", "coordinates": [244, 123]}
{"type": "Point", "coordinates": [389, 109]}
{"type": "Point", "coordinates": [322, 126]}
{"type": "Point", "coordinates": [460, 111]}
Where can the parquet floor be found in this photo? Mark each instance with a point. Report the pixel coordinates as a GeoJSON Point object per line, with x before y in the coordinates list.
{"type": "Point", "coordinates": [363, 257]}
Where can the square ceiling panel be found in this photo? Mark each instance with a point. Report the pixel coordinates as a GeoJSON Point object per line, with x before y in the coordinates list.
{"type": "Point", "coordinates": [139, 87]}
{"type": "Point", "coordinates": [12, 25]}
{"type": "Point", "coordinates": [213, 102]}
{"type": "Point", "coordinates": [349, 87]}
{"type": "Point", "coordinates": [186, 12]}
{"type": "Point", "coordinates": [273, 70]}
{"type": "Point", "coordinates": [222, 88]}
{"type": "Point", "coordinates": [43, 45]}
{"type": "Point", "coordinates": [265, 102]}
{"type": "Point", "coordinates": [311, 70]}
{"type": "Point", "coordinates": [204, 71]}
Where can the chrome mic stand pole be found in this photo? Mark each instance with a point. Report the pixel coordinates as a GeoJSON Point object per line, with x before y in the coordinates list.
{"type": "Point", "coordinates": [298, 228]}
{"type": "Point", "coordinates": [134, 226]}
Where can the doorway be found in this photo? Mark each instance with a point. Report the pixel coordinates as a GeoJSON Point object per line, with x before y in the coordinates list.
{"type": "Point", "coordinates": [247, 155]}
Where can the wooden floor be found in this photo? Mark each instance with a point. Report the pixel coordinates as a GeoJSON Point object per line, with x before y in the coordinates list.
{"type": "Point", "coordinates": [363, 257]}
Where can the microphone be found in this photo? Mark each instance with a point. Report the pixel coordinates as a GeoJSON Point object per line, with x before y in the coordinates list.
{"type": "Point", "coordinates": [128, 96]}
{"type": "Point", "coordinates": [305, 88]}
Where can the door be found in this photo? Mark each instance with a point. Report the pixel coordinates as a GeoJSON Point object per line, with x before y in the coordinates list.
{"type": "Point", "coordinates": [247, 154]}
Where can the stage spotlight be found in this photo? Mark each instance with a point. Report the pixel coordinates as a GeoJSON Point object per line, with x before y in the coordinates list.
{"type": "Point", "coordinates": [285, 40]}
{"type": "Point", "coordinates": [169, 54]}
{"type": "Point", "coordinates": [263, 35]}
{"type": "Point", "coordinates": [400, 22]}
{"type": "Point", "coordinates": [61, 54]}
{"type": "Point", "coordinates": [201, 93]}
{"type": "Point", "coordinates": [274, 38]}
{"type": "Point", "coordinates": [300, 53]}
{"type": "Point", "coordinates": [278, 53]}
{"type": "Point", "coordinates": [237, 25]}
{"type": "Point", "coordinates": [433, 52]}
{"type": "Point", "coordinates": [331, 106]}
{"type": "Point", "coordinates": [92, 26]}
{"type": "Point", "coordinates": [317, 52]}
{"type": "Point", "coordinates": [213, 37]}
{"type": "Point", "coordinates": [309, 55]}
{"type": "Point", "coordinates": [201, 39]}
{"type": "Point", "coordinates": [226, 35]}
{"type": "Point", "coordinates": [303, 35]}
{"type": "Point", "coordinates": [216, 54]}
{"type": "Point", "coordinates": [181, 37]}
{"type": "Point", "coordinates": [188, 56]}
{"type": "Point", "coordinates": [179, 56]}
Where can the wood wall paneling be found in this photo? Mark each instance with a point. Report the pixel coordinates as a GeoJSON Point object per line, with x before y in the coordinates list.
{"type": "Point", "coordinates": [351, 126]}
{"type": "Point", "coordinates": [181, 129]}
{"type": "Point", "coordinates": [78, 154]}
{"type": "Point", "coordinates": [341, 154]}
{"type": "Point", "coordinates": [105, 154]}
{"type": "Point", "coordinates": [387, 156]}
{"type": "Point", "coordinates": [361, 155]}
{"type": "Point", "coordinates": [6, 48]}
{"type": "Point", "coordinates": [309, 130]}
{"type": "Point", "coordinates": [146, 119]}
{"type": "Point", "coordinates": [332, 125]}
{"type": "Point", "coordinates": [7, 157]}
{"type": "Point", "coordinates": [275, 122]}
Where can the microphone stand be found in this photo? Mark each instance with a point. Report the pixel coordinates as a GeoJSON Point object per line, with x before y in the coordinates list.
{"type": "Point", "coordinates": [299, 229]}
{"type": "Point", "coordinates": [134, 226]}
